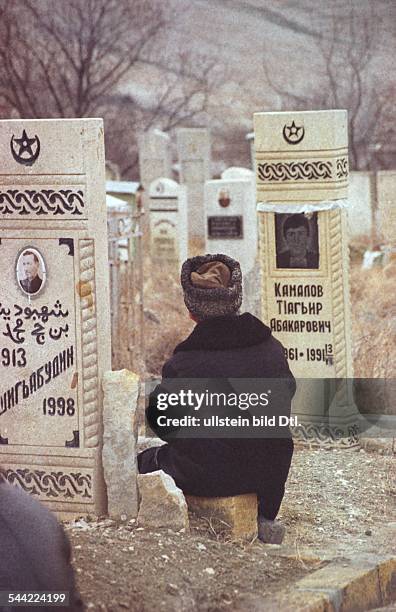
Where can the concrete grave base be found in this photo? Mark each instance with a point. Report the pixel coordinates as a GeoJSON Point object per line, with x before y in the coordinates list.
{"type": "Point", "coordinates": [238, 513]}
{"type": "Point", "coordinates": [367, 583]}
{"type": "Point", "coordinates": [68, 486]}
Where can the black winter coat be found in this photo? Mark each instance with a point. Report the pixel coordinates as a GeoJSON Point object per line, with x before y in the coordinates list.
{"type": "Point", "coordinates": [35, 553]}
{"type": "Point", "coordinates": [239, 347]}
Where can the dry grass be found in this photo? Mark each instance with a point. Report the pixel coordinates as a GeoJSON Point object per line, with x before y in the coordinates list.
{"type": "Point", "coordinates": [373, 307]}
{"type": "Point", "coordinates": [166, 319]}
{"type": "Point", "coordinates": [374, 339]}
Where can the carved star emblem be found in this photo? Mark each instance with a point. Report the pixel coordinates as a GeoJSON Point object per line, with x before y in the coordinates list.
{"type": "Point", "coordinates": [23, 149]}
{"type": "Point", "coordinates": [293, 134]}
{"type": "Point", "coordinates": [25, 144]}
{"type": "Point", "coordinates": [293, 130]}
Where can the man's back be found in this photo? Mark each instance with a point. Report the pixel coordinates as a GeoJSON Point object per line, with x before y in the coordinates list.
{"type": "Point", "coordinates": [224, 351]}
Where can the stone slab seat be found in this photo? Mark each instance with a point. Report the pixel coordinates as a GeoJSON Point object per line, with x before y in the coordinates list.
{"type": "Point", "coordinates": [239, 512]}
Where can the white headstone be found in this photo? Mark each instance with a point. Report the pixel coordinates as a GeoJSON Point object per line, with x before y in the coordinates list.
{"type": "Point", "coordinates": [250, 138]}
{"type": "Point", "coordinates": [193, 146]}
{"type": "Point", "coordinates": [302, 173]}
{"type": "Point", "coordinates": [231, 226]}
{"type": "Point", "coordinates": [168, 222]}
{"type": "Point", "coordinates": [236, 172]}
{"type": "Point", "coordinates": [360, 203]}
{"type": "Point", "coordinates": [154, 157]}
{"type": "Point", "coordinates": [54, 313]}
{"type": "Point", "coordinates": [386, 194]}
{"type": "Point", "coordinates": [120, 227]}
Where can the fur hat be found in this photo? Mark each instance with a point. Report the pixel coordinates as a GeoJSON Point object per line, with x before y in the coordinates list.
{"type": "Point", "coordinates": [209, 291]}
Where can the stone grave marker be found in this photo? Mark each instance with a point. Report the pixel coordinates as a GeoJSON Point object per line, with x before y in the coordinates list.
{"type": "Point", "coordinates": [250, 140]}
{"type": "Point", "coordinates": [168, 222]}
{"type": "Point", "coordinates": [54, 312]}
{"type": "Point", "coordinates": [193, 146]}
{"type": "Point", "coordinates": [155, 160]}
{"type": "Point", "coordinates": [302, 180]}
{"type": "Point", "coordinates": [361, 195]}
{"type": "Point", "coordinates": [120, 227]}
{"type": "Point", "coordinates": [154, 157]}
{"type": "Point", "coordinates": [237, 172]}
{"type": "Point", "coordinates": [231, 228]}
{"type": "Point", "coordinates": [386, 194]}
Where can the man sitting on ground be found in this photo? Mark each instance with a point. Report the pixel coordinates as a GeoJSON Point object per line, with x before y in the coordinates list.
{"type": "Point", "coordinates": [224, 345]}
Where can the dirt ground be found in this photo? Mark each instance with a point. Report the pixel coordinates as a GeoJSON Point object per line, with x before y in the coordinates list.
{"type": "Point", "coordinates": [337, 503]}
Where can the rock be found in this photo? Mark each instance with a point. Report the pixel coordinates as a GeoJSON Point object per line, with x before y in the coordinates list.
{"type": "Point", "coordinates": [237, 513]}
{"type": "Point", "coordinates": [151, 316]}
{"type": "Point", "coordinates": [121, 390]}
{"type": "Point", "coordinates": [144, 443]}
{"type": "Point", "coordinates": [162, 502]}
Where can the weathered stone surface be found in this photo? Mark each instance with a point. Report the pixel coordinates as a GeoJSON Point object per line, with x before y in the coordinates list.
{"type": "Point", "coordinates": [301, 156]}
{"type": "Point", "coordinates": [365, 584]}
{"type": "Point", "coordinates": [144, 443]}
{"type": "Point", "coordinates": [361, 202]}
{"type": "Point", "coordinates": [297, 601]}
{"type": "Point", "coordinates": [162, 502]}
{"type": "Point", "coordinates": [237, 172]}
{"type": "Point", "coordinates": [301, 166]}
{"type": "Point", "coordinates": [354, 587]}
{"type": "Point", "coordinates": [155, 160]}
{"type": "Point", "coordinates": [239, 512]}
{"type": "Point", "coordinates": [121, 391]}
{"type": "Point", "coordinates": [154, 156]}
{"type": "Point", "coordinates": [231, 228]}
{"type": "Point", "coordinates": [231, 220]}
{"type": "Point", "coordinates": [168, 222]}
{"type": "Point", "coordinates": [386, 186]}
{"type": "Point", "coordinates": [193, 146]}
{"type": "Point", "coordinates": [387, 579]}
{"type": "Point", "coordinates": [55, 328]}
{"type": "Point", "coordinates": [382, 446]}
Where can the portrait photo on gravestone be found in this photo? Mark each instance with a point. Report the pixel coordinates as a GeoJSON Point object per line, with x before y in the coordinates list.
{"type": "Point", "coordinates": [197, 305]}
{"type": "Point", "coordinates": [31, 271]}
{"type": "Point", "coordinates": [297, 243]}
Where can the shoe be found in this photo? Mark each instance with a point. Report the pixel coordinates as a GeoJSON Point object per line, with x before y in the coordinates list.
{"type": "Point", "coordinates": [270, 532]}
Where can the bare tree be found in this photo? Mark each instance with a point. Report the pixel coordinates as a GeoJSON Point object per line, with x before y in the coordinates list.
{"type": "Point", "coordinates": [60, 58]}
{"type": "Point", "coordinates": [182, 97]}
{"type": "Point", "coordinates": [346, 79]}
{"type": "Point", "coordinates": [76, 58]}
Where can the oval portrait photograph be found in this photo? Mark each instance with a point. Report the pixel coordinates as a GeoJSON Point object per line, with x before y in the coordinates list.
{"type": "Point", "coordinates": [30, 271]}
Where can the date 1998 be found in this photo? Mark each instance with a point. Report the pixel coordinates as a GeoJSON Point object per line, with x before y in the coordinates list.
{"type": "Point", "coordinates": [34, 598]}
{"type": "Point", "coordinates": [58, 406]}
